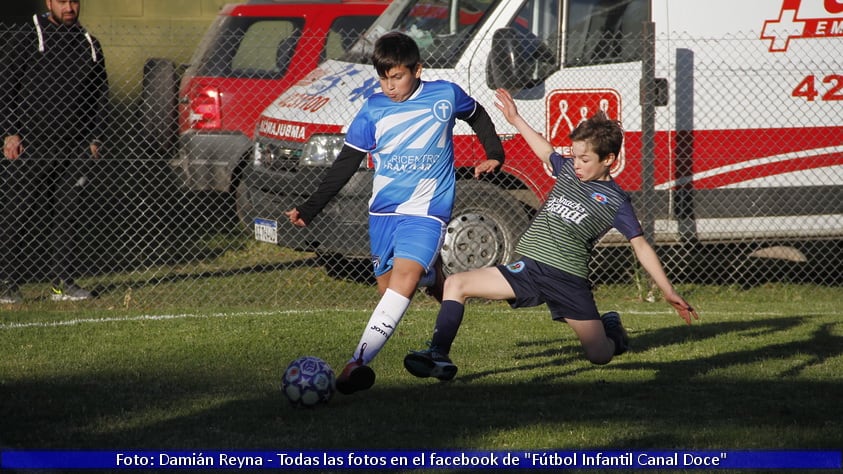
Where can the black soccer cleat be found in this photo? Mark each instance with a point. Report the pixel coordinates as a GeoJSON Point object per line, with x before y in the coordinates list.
{"type": "Point", "coordinates": [355, 377]}
{"type": "Point", "coordinates": [430, 363]}
{"type": "Point", "coordinates": [615, 331]}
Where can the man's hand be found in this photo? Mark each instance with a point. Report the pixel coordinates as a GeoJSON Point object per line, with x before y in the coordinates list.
{"type": "Point", "coordinates": [12, 147]}
{"type": "Point", "coordinates": [295, 218]}
{"type": "Point", "coordinates": [487, 166]}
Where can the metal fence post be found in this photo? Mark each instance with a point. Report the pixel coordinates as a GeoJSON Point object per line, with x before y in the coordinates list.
{"type": "Point", "coordinates": [648, 126]}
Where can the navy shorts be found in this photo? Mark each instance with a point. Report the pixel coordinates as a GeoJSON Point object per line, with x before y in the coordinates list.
{"type": "Point", "coordinates": [534, 283]}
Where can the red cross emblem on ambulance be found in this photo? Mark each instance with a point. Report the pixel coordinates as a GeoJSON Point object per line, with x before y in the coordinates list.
{"type": "Point", "coordinates": [566, 108]}
{"type": "Point", "coordinates": [799, 19]}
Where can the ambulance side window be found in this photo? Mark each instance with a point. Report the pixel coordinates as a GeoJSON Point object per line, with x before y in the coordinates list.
{"type": "Point", "coordinates": [537, 22]}
{"type": "Point", "coordinates": [604, 31]}
{"type": "Point", "coordinates": [539, 19]}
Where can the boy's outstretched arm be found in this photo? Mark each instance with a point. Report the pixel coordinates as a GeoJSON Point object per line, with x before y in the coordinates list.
{"type": "Point", "coordinates": [650, 261]}
{"type": "Point", "coordinates": [346, 164]}
{"type": "Point", "coordinates": [540, 146]}
{"type": "Point", "coordinates": [484, 128]}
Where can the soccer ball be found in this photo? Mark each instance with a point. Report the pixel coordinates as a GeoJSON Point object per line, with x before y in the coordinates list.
{"type": "Point", "coordinates": [308, 381]}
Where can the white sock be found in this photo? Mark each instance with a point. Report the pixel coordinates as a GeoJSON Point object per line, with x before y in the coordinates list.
{"type": "Point", "coordinates": [385, 318]}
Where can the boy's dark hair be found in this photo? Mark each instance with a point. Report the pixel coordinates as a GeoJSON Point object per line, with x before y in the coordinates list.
{"type": "Point", "coordinates": [395, 49]}
{"type": "Point", "coordinates": [604, 135]}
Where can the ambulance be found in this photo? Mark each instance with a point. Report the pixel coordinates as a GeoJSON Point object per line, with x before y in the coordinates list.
{"type": "Point", "coordinates": [732, 110]}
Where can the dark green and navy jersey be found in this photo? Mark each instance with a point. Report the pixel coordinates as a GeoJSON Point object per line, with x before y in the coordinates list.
{"type": "Point", "coordinates": [574, 217]}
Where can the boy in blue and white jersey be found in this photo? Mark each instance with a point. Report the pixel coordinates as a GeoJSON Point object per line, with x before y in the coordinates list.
{"type": "Point", "coordinates": [583, 205]}
{"type": "Point", "coordinates": [412, 148]}
{"type": "Point", "coordinates": [407, 128]}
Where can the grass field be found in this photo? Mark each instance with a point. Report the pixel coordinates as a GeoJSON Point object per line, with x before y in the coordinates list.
{"type": "Point", "coordinates": [140, 368]}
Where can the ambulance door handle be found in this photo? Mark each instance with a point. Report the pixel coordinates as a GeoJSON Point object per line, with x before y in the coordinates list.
{"type": "Point", "coordinates": [661, 93]}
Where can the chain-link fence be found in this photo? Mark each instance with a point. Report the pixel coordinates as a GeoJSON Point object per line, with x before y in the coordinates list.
{"type": "Point", "coordinates": [736, 183]}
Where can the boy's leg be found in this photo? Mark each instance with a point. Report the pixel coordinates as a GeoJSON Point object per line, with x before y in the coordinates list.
{"type": "Point", "coordinates": [357, 375]}
{"type": "Point", "coordinates": [488, 283]}
{"type": "Point", "coordinates": [598, 348]}
{"type": "Point", "coordinates": [434, 361]}
{"type": "Point", "coordinates": [602, 338]}
{"type": "Point", "coordinates": [432, 283]}
{"type": "Point", "coordinates": [447, 324]}
{"type": "Point", "coordinates": [381, 325]}
{"type": "Point", "coordinates": [570, 299]}
{"type": "Point", "coordinates": [615, 331]}
{"type": "Point", "coordinates": [399, 245]}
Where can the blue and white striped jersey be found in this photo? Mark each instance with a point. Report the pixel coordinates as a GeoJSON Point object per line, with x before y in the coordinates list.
{"type": "Point", "coordinates": [412, 148]}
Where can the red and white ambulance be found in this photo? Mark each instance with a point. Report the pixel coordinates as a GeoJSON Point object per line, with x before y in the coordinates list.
{"type": "Point", "coordinates": [733, 112]}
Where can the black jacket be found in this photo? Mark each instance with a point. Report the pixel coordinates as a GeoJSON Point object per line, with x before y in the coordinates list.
{"type": "Point", "coordinates": [53, 84]}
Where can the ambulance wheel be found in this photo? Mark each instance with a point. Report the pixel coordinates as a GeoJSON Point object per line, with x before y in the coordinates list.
{"type": "Point", "coordinates": [484, 228]}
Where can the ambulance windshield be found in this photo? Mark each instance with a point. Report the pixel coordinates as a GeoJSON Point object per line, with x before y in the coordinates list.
{"type": "Point", "coordinates": [440, 27]}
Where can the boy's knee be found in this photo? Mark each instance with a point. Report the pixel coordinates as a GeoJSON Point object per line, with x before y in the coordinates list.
{"type": "Point", "coordinates": [598, 357]}
{"type": "Point", "coordinates": [454, 287]}
{"type": "Point", "coordinates": [600, 360]}
{"type": "Point", "coordinates": [455, 282]}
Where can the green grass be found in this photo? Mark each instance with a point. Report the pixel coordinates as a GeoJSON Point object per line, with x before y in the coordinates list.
{"type": "Point", "coordinates": [763, 369]}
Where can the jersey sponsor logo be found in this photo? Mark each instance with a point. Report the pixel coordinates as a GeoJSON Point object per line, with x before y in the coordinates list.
{"type": "Point", "coordinates": [566, 209]}
{"type": "Point", "coordinates": [802, 19]}
{"type": "Point", "coordinates": [402, 163]}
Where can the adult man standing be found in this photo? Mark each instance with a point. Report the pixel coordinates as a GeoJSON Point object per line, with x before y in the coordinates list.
{"type": "Point", "coordinates": [53, 103]}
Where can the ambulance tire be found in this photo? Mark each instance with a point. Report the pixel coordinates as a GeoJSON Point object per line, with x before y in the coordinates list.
{"type": "Point", "coordinates": [484, 228]}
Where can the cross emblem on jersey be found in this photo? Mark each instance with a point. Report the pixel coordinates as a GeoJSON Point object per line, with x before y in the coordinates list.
{"type": "Point", "coordinates": [442, 111]}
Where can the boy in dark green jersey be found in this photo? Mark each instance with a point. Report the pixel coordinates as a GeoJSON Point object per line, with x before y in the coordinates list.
{"type": "Point", "coordinates": [583, 205]}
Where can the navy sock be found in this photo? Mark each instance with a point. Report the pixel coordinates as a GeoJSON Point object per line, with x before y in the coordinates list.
{"type": "Point", "coordinates": [447, 323]}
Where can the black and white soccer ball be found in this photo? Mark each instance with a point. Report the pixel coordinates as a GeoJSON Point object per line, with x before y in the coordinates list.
{"type": "Point", "coordinates": [308, 381]}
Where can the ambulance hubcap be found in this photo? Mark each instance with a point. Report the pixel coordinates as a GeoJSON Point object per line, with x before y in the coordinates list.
{"type": "Point", "coordinates": [472, 241]}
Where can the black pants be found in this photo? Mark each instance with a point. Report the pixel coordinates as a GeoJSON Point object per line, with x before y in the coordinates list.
{"type": "Point", "coordinates": [42, 209]}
